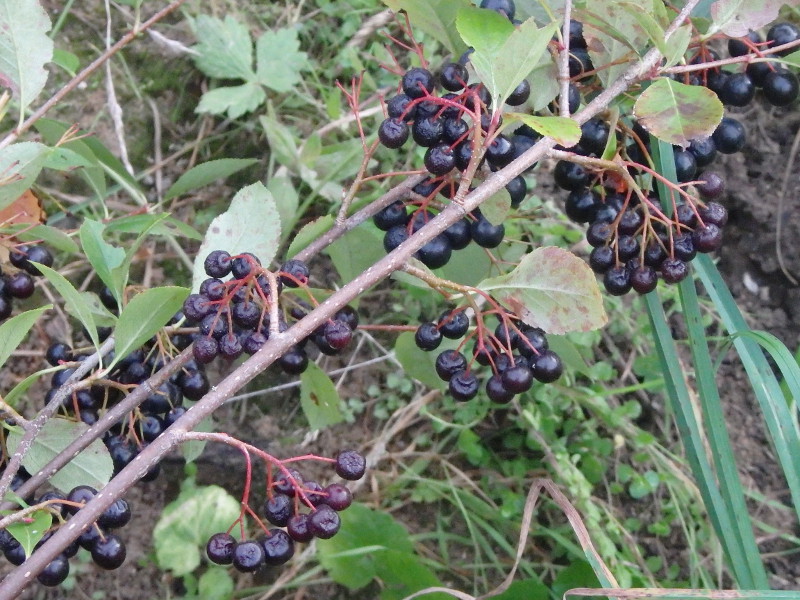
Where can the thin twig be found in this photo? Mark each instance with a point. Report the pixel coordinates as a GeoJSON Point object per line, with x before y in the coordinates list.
{"type": "Point", "coordinates": [563, 61]}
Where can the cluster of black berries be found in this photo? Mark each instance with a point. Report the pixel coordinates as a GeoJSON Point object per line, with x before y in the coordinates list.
{"type": "Point", "coordinates": [779, 86]}
{"type": "Point", "coordinates": [157, 412]}
{"type": "Point", "coordinates": [516, 356]}
{"type": "Point", "coordinates": [304, 508]}
{"type": "Point", "coordinates": [233, 315]}
{"type": "Point", "coordinates": [19, 283]}
{"type": "Point", "coordinates": [107, 549]}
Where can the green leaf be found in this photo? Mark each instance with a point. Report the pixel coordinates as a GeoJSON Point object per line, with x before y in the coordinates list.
{"type": "Point", "coordinates": [251, 224]}
{"type": "Point", "coordinates": [73, 300]}
{"type": "Point", "coordinates": [14, 330]}
{"type": "Point", "coordinates": [186, 524]}
{"type": "Point", "coordinates": [437, 18]}
{"type": "Point", "coordinates": [215, 584]}
{"type": "Point", "coordinates": [225, 50]}
{"type": "Point", "coordinates": [494, 39]}
{"type": "Point", "coordinates": [53, 237]}
{"type": "Point", "coordinates": [553, 289]}
{"type": "Point", "coordinates": [103, 257]}
{"type": "Point", "coordinates": [143, 316]}
{"type": "Point", "coordinates": [737, 17]}
{"type": "Point", "coordinates": [469, 266]}
{"type": "Point", "coordinates": [319, 398]}
{"type": "Point", "coordinates": [232, 100]}
{"type": "Point", "coordinates": [206, 173]}
{"type": "Point", "coordinates": [281, 188]}
{"type": "Point", "coordinates": [100, 314]}
{"type": "Point", "coordinates": [153, 224]}
{"type": "Point", "coordinates": [23, 386]}
{"type": "Point", "coordinates": [351, 557]}
{"type": "Point", "coordinates": [418, 364]}
{"type": "Point", "coordinates": [93, 465]}
{"type": "Point", "coordinates": [67, 61]}
{"type": "Point", "coordinates": [308, 233]}
{"type": "Point", "coordinates": [65, 159]}
{"type": "Point", "coordinates": [356, 251]}
{"type": "Point", "coordinates": [94, 175]}
{"type": "Point", "coordinates": [678, 113]}
{"type": "Point", "coordinates": [497, 206]}
{"type": "Point", "coordinates": [194, 448]}
{"type": "Point", "coordinates": [526, 589]}
{"type": "Point", "coordinates": [281, 142]}
{"type": "Point", "coordinates": [20, 164]}
{"type": "Point", "coordinates": [29, 534]}
{"type": "Point", "coordinates": [562, 129]}
{"type": "Point", "coordinates": [792, 59]}
{"type": "Point", "coordinates": [648, 23]}
{"type": "Point", "coordinates": [279, 60]}
{"type": "Point", "coordinates": [678, 44]}
{"type": "Point", "coordinates": [617, 37]}
{"type": "Point", "coordinates": [25, 48]}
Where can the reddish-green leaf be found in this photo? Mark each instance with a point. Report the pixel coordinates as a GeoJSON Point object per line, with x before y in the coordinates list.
{"type": "Point", "coordinates": [553, 289]}
{"type": "Point", "coordinates": [678, 113]}
{"type": "Point", "coordinates": [736, 17]}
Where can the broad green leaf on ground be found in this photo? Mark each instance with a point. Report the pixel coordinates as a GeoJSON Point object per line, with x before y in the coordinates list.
{"type": "Point", "coordinates": [215, 584]}
{"type": "Point", "coordinates": [418, 364]}
{"type": "Point", "coordinates": [281, 142]}
{"type": "Point", "coordinates": [14, 330]}
{"type": "Point", "coordinates": [494, 39]}
{"type": "Point", "coordinates": [286, 199]}
{"type": "Point", "coordinates": [737, 17]}
{"type": "Point", "coordinates": [553, 289]}
{"type": "Point", "coordinates": [187, 523]}
{"type": "Point", "coordinates": [251, 224]}
{"type": "Point", "coordinates": [29, 533]}
{"type": "Point", "coordinates": [93, 466]}
{"type": "Point", "coordinates": [224, 48]}
{"type": "Point", "coordinates": [20, 164]}
{"type": "Point", "coordinates": [234, 101]}
{"type": "Point", "coordinates": [67, 61]}
{"type": "Point", "coordinates": [525, 589]}
{"type": "Point", "coordinates": [103, 257]}
{"type": "Point", "coordinates": [319, 398]}
{"type": "Point", "coordinates": [308, 233]}
{"type": "Point", "coordinates": [53, 237]}
{"type": "Point", "coordinates": [497, 206]}
{"type": "Point", "coordinates": [678, 113]}
{"type": "Point", "coordinates": [437, 18]}
{"type": "Point", "coordinates": [143, 316]}
{"type": "Point", "coordinates": [616, 37]}
{"type": "Point", "coordinates": [562, 129]}
{"type": "Point", "coordinates": [351, 556]}
{"type": "Point", "coordinates": [356, 251]}
{"type": "Point", "coordinates": [73, 300]}
{"type": "Point", "coordinates": [205, 173]}
{"type": "Point", "coordinates": [25, 48]}
{"type": "Point", "coordinates": [279, 60]}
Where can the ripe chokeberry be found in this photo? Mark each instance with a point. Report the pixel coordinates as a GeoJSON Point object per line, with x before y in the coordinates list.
{"type": "Point", "coordinates": [220, 548]}
{"type": "Point", "coordinates": [278, 547]}
{"type": "Point", "coordinates": [463, 386]}
{"type": "Point", "coordinates": [324, 522]}
{"type": "Point", "coordinates": [248, 556]}
{"type": "Point", "coordinates": [428, 337]}
{"type": "Point", "coordinates": [393, 133]}
{"type": "Point", "coordinates": [450, 362]}
{"type": "Point", "coordinates": [418, 82]}
{"type": "Point", "coordinates": [350, 465]}
{"type": "Point", "coordinates": [108, 551]}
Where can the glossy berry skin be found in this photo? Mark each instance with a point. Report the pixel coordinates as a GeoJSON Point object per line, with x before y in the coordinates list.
{"type": "Point", "coordinates": [496, 391]}
{"type": "Point", "coordinates": [505, 7]}
{"type": "Point", "coordinates": [427, 132]}
{"type": "Point", "coordinates": [279, 509]}
{"type": "Point", "coordinates": [601, 259]}
{"type": "Point", "coordinates": [781, 88]}
{"type": "Point", "coordinates": [230, 347]}
{"type": "Point", "coordinates": [436, 253]}
{"type": "Point", "coordinates": [219, 548]}
{"type": "Point", "coordinates": [517, 190]}
{"type": "Point", "coordinates": [644, 279]}
{"type": "Point", "coordinates": [324, 522]}
{"type": "Point", "coordinates": [685, 165]}
{"type": "Point", "coordinates": [196, 307]}
{"type": "Point", "coordinates": [594, 136]}
{"type": "Point", "coordinates": [674, 270]}
{"type": "Point", "coordinates": [338, 496]}
{"type": "Point", "coordinates": [448, 363]}
{"type": "Point", "coordinates": [570, 176]}
{"type": "Point", "coordinates": [294, 362]}
{"type": "Point", "coordinates": [217, 264]}
{"type": "Point", "coordinates": [350, 465]}
{"type": "Point", "coordinates": [738, 90]}
{"type": "Point", "coordinates": [337, 334]}
{"type": "Point", "coordinates": [729, 136]}
{"type": "Point", "coordinates": [708, 238]}
{"type": "Point", "coordinates": [582, 205]}
{"type": "Point", "coordinates": [19, 285]}
{"type": "Point", "coordinates": [454, 130]}
{"type": "Point", "coordinates": [459, 234]}
{"type": "Point", "coordinates": [298, 529]}
{"type": "Point", "coordinates": [517, 379]}
{"type": "Point", "coordinates": [599, 234]}
{"type": "Point", "coordinates": [194, 385]}
{"type": "Point", "coordinates": [394, 237]}
{"type": "Point", "coordinates": [711, 186]}
{"type": "Point", "coordinates": [463, 386]}
{"type": "Point", "coordinates": [109, 552]}
{"type": "Point", "coordinates": [115, 516]}
{"type": "Point", "coordinates": [617, 281]}
{"type": "Point", "coordinates": [453, 324]}
{"type": "Point", "coordinates": [57, 353]}
{"type": "Point", "coordinates": [440, 160]}
{"type": "Point", "coordinates": [520, 94]}
{"type": "Point", "coordinates": [278, 547]}
{"type": "Point", "coordinates": [393, 133]}
{"type": "Point", "coordinates": [485, 234]}
{"type": "Point", "coordinates": [81, 495]}
{"type": "Point", "coordinates": [417, 82]}
{"type": "Point", "coordinates": [55, 572]}
{"type": "Point", "coordinates": [500, 152]}
{"type": "Point", "coordinates": [532, 342]}
{"type": "Point", "coordinates": [453, 77]}
{"type": "Point", "coordinates": [22, 257]}
{"type": "Point", "coordinates": [738, 47]}
{"type": "Point", "coordinates": [783, 33]}
{"type": "Point", "coordinates": [205, 349]}
{"type": "Point", "coordinates": [427, 337]}
{"type": "Point", "coordinates": [248, 556]}
{"type": "Point", "coordinates": [398, 107]}
{"type": "Point", "coordinates": [391, 216]}
{"type": "Point", "coordinates": [715, 213]}
{"type": "Point", "coordinates": [704, 152]}
{"type": "Point", "coordinates": [547, 367]}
